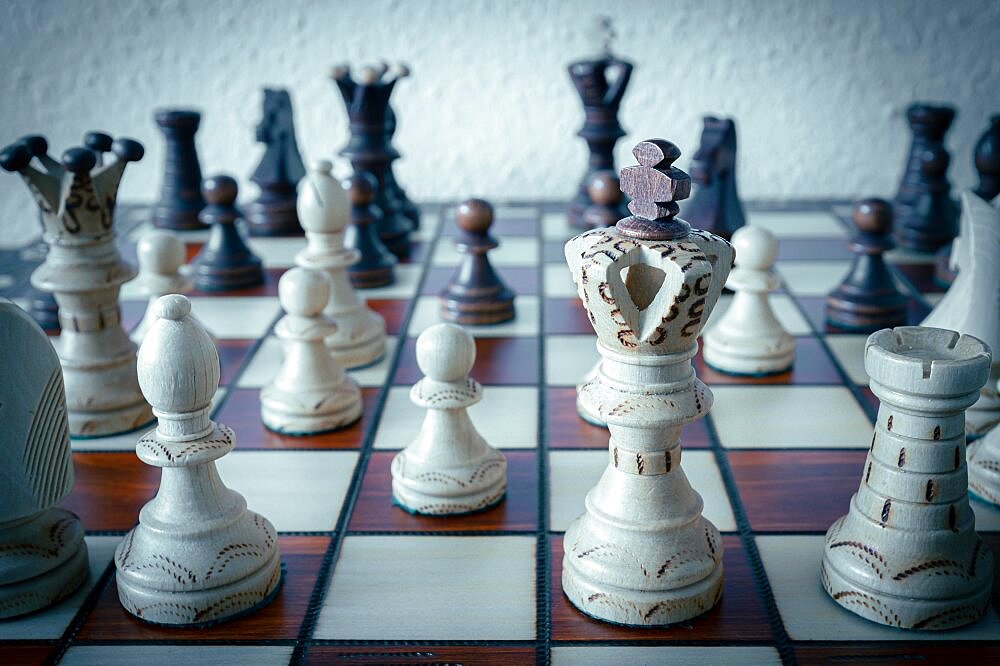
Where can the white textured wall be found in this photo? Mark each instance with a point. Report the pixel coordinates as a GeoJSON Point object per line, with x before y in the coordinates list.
{"type": "Point", "coordinates": [817, 87]}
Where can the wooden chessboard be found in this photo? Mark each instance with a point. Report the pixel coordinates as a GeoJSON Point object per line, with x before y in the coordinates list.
{"type": "Point", "coordinates": [776, 463]}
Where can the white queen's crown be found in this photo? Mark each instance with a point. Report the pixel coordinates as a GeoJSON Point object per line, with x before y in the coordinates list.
{"type": "Point", "coordinates": [77, 195]}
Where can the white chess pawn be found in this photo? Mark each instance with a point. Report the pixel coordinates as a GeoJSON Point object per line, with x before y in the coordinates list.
{"type": "Point", "coordinates": [160, 254]}
{"type": "Point", "coordinates": [449, 468]}
{"type": "Point", "coordinates": [749, 339]}
{"type": "Point", "coordinates": [197, 554]}
{"type": "Point", "coordinates": [324, 213]}
{"type": "Point", "coordinates": [311, 393]}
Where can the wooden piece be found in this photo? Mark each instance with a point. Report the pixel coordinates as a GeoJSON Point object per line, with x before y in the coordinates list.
{"type": "Point", "coordinates": [986, 158]}
{"type": "Point", "coordinates": [448, 468]}
{"type": "Point", "coordinates": [907, 553]}
{"type": "Point", "coordinates": [359, 339]}
{"type": "Point", "coordinates": [225, 262]}
{"type": "Point", "coordinates": [85, 272]}
{"type": "Point", "coordinates": [394, 190]}
{"type": "Point", "coordinates": [369, 150]}
{"type": "Point", "coordinates": [376, 265]}
{"type": "Point", "coordinates": [971, 304]}
{"type": "Point", "coordinates": [198, 555]}
{"type": "Point", "coordinates": [279, 171]}
{"type": "Point", "coordinates": [43, 557]}
{"type": "Point", "coordinates": [311, 393]}
{"type": "Point", "coordinates": [476, 294]}
{"type": "Point", "coordinates": [180, 194]}
{"type": "Point", "coordinates": [868, 298]}
{"type": "Point", "coordinates": [160, 254]}
{"type": "Point", "coordinates": [926, 216]}
{"type": "Point", "coordinates": [715, 205]}
{"type": "Point", "coordinates": [601, 82]}
{"type": "Point", "coordinates": [984, 464]}
{"type": "Point", "coordinates": [605, 192]}
{"type": "Point", "coordinates": [749, 339]}
{"type": "Point", "coordinates": [648, 290]}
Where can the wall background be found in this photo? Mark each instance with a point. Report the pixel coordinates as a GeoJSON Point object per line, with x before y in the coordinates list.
{"type": "Point", "coordinates": [817, 87]}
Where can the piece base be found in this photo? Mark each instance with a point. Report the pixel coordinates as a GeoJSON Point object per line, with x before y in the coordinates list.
{"type": "Point", "coordinates": [370, 279]}
{"type": "Point", "coordinates": [275, 218]}
{"type": "Point", "coordinates": [90, 425]}
{"type": "Point", "coordinates": [303, 425]}
{"type": "Point", "coordinates": [902, 612]}
{"type": "Point", "coordinates": [203, 607]}
{"type": "Point", "coordinates": [413, 501]}
{"type": "Point", "coordinates": [178, 220]}
{"type": "Point", "coordinates": [588, 412]}
{"type": "Point", "coordinates": [359, 355]}
{"type": "Point", "coordinates": [638, 608]}
{"type": "Point", "coordinates": [45, 589]}
{"type": "Point", "coordinates": [477, 313]}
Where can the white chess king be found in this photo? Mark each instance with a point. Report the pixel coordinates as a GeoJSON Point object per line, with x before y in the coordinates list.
{"type": "Point", "coordinates": [642, 554]}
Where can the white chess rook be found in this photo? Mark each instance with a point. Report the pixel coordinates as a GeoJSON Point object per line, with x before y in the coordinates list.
{"type": "Point", "coordinates": [907, 553]}
{"type": "Point", "coordinates": [642, 554]}
{"type": "Point", "coordinates": [448, 468]}
{"type": "Point", "coordinates": [198, 555]}
{"type": "Point", "coordinates": [324, 213]}
{"type": "Point", "coordinates": [749, 339]}
{"type": "Point", "coordinates": [311, 393]}
{"type": "Point", "coordinates": [43, 557]}
{"type": "Point", "coordinates": [972, 304]}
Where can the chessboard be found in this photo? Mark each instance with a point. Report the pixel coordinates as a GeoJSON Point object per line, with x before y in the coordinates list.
{"type": "Point", "coordinates": [776, 462]}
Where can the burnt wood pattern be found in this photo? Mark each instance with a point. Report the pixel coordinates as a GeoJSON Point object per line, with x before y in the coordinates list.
{"type": "Point", "coordinates": [783, 492]}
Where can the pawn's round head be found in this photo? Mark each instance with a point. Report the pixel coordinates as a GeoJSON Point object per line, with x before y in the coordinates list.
{"type": "Point", "coordinates": [220, 190]}
{"type": "Point", "coordinates": [604, 188]}
{"type": "Point", "coordinates": [360, 188]}
{"type": "Point", "coordinates": [445, 353]}
{"type": "Point", "coordinates": [177, 363]}
{"type": "Point", "coordinates": [474, 216]}
{"type": "Point", "coordinates": [303, 293]}
{"type": "Point", "coordinates": [160, 251]}
{"type": "Point", "coordinates": [756, 248]}
{"type": "Point", "coordinates": [873, 216]}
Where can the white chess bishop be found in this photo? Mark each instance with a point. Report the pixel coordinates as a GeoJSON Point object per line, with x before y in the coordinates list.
{"type": "Point", "coordinates": [198, 555]}
{"type": "Point", "coordinates": [642, 554]}
{"type": "Point", "coordinates": [972, 304]}
{"type": "Point", "coordinates": [748, 339]}
{"type": "Point", "coordinates": [43, 557]}
{"type": "Point", "coordinates": [448, 468]}
{"type": "Point", "coordinates": [160, 255]}
{"type": "Point", "coordinates": [324, 213]}
{"type": "Point", "coordinates": [311, 392]}
{"type": "Point", "coordinates": [907, 553]}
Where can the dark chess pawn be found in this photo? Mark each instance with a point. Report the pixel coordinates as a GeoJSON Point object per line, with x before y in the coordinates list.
{"type": "Point", "coordinates": [987, 160]}
{"type": "Point", "coordinates": [868, 298]}
{"type": "Point", "coordinates": [715, 204]}
{"type": "Point", "coordinates": [926, 217]}
{"type": "Point", "coordinates": [475, 294]}
{"type": "Point", "coordinates": [180, 197]}
{"type": "Point", "coordinates": [605, 192]}
{"type": "Point", "coordinates": [225, 262]}
{"type": "Point", "coordinates": [279, 171]}
{"type": "Point", "coordinates": [376, 266]}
